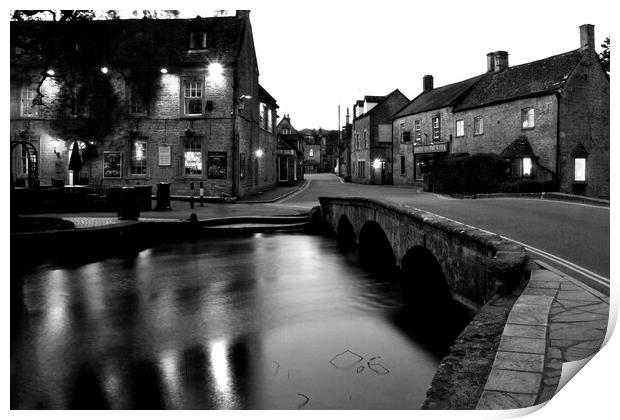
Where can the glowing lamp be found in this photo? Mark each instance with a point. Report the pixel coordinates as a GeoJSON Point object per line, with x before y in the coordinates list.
{"type": "Point", "coordinates": [164, 70]}
{"type": "Point", "coordinates": [376, 164]}
{"type": "Point", "coordinates": [216, 69]}
{"type": "Point", "coordinates": [104, 70]}
{"type": "Point", "coordinates": [259, 153]}
{"type": "Point", "coordinates": [50, 72]}
{"type": "Point", "coordinates": [55, 143]}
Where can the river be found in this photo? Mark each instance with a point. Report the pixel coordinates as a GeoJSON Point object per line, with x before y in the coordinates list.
{"type": "Point", "coordinates": [269, 321]}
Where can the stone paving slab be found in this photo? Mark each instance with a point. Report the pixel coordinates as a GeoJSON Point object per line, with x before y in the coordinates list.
{"type": "Point", "coordinates": [555, 320]}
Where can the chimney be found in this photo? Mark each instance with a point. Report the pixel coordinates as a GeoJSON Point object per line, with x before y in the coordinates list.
{"type": "Point", "coordinates": [586, 35]}
{"type": "Point", "coordinates": [427, 83]}
{"type": "Point", "coordinates": [347, 116]}
{"type": "Point", "coordinates": [490, 62]}
{"type": "Point", "coordinates": [501, 61]}
{"type": "Point", "coordinates": [243, 14]}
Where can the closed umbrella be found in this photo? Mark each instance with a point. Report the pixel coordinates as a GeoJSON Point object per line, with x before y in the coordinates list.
{"type": "Point", "coordinates": [75, 163]}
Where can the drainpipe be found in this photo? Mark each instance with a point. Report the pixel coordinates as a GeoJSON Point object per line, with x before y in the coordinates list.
{"type": "Point", "coordinates": [558, 181]}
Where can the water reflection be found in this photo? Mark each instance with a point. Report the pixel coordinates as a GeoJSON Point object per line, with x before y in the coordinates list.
{"type": "Point", "coordinates": [229, 324]}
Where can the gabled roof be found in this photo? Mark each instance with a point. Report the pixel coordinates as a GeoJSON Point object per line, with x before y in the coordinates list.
{"type": "Point", "coordinates": [382, 100]}
{"type": "Point", "coordinates": [440, 97]}
{"type": "Point", "coordinates": [519, 148]}
{"type": "Point", "coordinates": [535, 78]}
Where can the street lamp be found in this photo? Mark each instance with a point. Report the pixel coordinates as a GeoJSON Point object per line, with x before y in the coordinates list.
{"type": "Point", "coordinates": [259, 153]}
{"type": "Point", "coordinates": [55, 144]}
{"type": "Point", "coordinates": [104, 70]}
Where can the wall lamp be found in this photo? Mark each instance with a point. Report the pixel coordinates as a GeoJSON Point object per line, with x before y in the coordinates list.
{"type": "Point", "coordinates": [163, 70]}
{"type": "Point", "coordinates": [104, 70]}
{"type": "Point", "coordinates": [259, 153]}
{"type": "Point", "coordinates": [55, 144]}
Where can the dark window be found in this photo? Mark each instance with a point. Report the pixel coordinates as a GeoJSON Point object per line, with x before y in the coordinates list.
{"type": "Point", "coordinates": [198, 40]}
{"type": "Point", "coordinates": [403, 165]}
{"type": "Point", "coordinates": [478, 126]}
{"type": "Point", "coordinates": [406, 136]}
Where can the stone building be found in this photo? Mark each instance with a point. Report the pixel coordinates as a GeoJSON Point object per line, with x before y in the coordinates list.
{"type": "Point", "coordinates": [549, 118]}
{"type": "Point", "coordinates": [157, 100]}
{"type": "Point", "coordinates": [371, 142]}
{"type": "Point", "coordinates": [290, 153]}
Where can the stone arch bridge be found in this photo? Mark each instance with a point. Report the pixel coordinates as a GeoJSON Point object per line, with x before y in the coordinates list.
{"type": "Point", "coordinates": [471, 264]}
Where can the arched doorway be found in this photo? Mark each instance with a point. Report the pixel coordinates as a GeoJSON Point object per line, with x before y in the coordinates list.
{"type": "Point", "coordinates": [28, 163]}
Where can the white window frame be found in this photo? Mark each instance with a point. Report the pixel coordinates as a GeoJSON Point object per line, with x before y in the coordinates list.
{"type": "Point", "coordinates": [478, 126]}
{"type": "Point", "coordinates": [27, 96]}
{"type": "Point", "coordinates": [436, 126]}
{"type": "Point", "coordinates": [418, 130]}
{"type": "Point", "coordinates": [460, 128]}
{"type": "Point", "coordinates": [190, 85]}
{"type": "Point", "coordinates": [527, 118]}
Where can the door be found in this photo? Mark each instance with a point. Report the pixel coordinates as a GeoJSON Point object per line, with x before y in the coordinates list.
{"type": "Point", "coordinates": [283, 168]}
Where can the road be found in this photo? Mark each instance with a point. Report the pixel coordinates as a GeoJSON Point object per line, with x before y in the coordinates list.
{"type": "Point", "coordinates": [571, 237]}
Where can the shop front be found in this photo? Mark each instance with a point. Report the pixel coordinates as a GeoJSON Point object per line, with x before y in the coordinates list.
{"type": "Point", "coordinates": [424, 157]}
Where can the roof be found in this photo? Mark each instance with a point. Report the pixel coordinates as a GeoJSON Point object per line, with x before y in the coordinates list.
{"type": "Point", "coordinates": [380, 102]}
{"type": "Point", "coordinates": [535, 78]}
{"type": "Point", "coordinates": [519, 148]}
{"type": "Point", "coordinates": [224, 34]}
{"type": "Point", "coordinates": [524, 80]}
{"type": "Point", "coordinates": [438, 98]}
{"type": "Point", "coordinates": [265, 95]}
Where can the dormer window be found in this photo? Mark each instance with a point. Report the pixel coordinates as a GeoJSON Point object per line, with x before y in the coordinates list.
{"type": "Point", "coordinates": [197, 40]}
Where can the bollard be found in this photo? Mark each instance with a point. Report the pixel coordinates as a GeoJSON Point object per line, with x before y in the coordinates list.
{"type": "Point", "coordinates": [202, 193]}
{"type": "Point", "coordinates": [163, 196]}
{"type": "Point", "coordinates": [127, 204]}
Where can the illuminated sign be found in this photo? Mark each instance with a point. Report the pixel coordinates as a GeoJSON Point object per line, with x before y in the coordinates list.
{"type": "Point", "coordinates": [431, 148]}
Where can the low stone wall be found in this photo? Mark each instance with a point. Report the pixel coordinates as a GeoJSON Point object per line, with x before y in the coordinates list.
{"type": "Point", "coordinates": [477, 265]}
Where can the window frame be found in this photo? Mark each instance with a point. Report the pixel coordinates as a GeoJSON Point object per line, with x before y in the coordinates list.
{"type": "Point", "coordinates": [418, 130]}
{"type": "Point", "coordinates": [30, 91]}
{"type": "Point", "coordinates": [525, 118]}
{"type": "Point", "coordinates": [436, 128]}
{"type": "Point", "coordinates": [192, 141]}
{"type": "Point", "coordinates": [585, 169]}
{"type": "Point", "coordinates": [186, 99]}
{"type": "Point", "coordinates": [192, 40]}
{"type": "Point", "coordinates": [478, 125]}
{"type": "Point", "coordinates": [132, 159]}
{"type": "Point", "coordinates": [462, 126]}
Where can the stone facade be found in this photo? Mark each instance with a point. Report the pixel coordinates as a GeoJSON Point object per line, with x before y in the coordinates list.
{"type": "Point", "coordinates": [371, 142]}
{"type": "Point", "coordinates": [223, 137]}
{"type": "Point", "coordinates": [567, 96]}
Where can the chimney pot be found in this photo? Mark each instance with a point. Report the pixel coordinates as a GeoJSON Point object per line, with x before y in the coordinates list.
{"type": "Point", "coordinates": [586, 35]}
{"type": "Point", "coordinates": [490, 62]}
{"type": "Point", "coordinates": [501, 61]}
{"type": "Point", "coordinates": [427, 83]}
{"type": "Point", "coordinates": [242, 14]}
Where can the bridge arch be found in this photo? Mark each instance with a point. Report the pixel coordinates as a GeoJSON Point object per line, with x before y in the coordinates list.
{"type": "Point", "coordinates": [423, 280]}
{"type": "Point", "coordinates": [375, 250]}
{"type": "Point", "coordinates": [345, 233]}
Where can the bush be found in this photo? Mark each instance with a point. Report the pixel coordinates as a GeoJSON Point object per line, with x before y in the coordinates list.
{"type": "Point", "coordinates": [527, 186]}
{"type": "Point", "coordinates": [480, 173]}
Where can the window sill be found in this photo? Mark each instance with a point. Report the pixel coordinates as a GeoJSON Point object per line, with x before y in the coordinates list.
{"type": "Point", "coordinates": [193, 115]}
{"type": "Point", "coordinates": [527, 128]}
{"type": "Point", "coordinates": [478, 134]}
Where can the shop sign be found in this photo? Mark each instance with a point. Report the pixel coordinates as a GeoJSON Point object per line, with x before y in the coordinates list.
{"type": "Point", "coordinates": [431, 148]}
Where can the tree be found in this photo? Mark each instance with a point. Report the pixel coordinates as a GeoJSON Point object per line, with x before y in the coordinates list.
{"type": "Point", "coordinates": [605, 54]}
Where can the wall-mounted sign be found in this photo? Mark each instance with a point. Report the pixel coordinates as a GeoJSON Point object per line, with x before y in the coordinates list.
{"type": "Point", "coordinates": [430, 148]}
{"type": "Point", "coordinates": [112, 164]}
{"type": "Point", "coordinates": [164, 155]}
{"type": "Point", "coordinates": [216, 165]}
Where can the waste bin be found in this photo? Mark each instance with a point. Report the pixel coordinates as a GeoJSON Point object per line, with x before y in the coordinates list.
{"type": "Point", "coordinates": [127, 204]}
{"type": "Point", "coordinates": [163, 196]}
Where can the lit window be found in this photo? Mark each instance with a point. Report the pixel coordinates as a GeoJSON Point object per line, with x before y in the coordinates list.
{"type": "Point", "coordinates": [198, 40]}
{"type": "Point", "coordinates": [311, 152]}
{"type": "Point", "coordinates": [138, 157]}
{"type": "Point", "coordinates": [418, 131]}
{"type": "Point", "coordinates": [193, 156]}
{"type": "Point", "coordinates": [527, 166]}
{"type": "Point", "coordinates": [478, 126]}
{"type": "Point", "coordinates": [261, 115]}
{"type": "Point", "coordinates": [192, 94]}
{"type": "Point", "coordinates": [527, 117]}
{"type": "Point", "coordinates": [580, 169]}
{"type": "Point", "coordinates": [136, 103]}
{"type": "Point", "coordinates": [28, 95]}
{"type": "Point", "coordinates": [436, 130]}
{"type": "Point", "coordinates": [460, 128]}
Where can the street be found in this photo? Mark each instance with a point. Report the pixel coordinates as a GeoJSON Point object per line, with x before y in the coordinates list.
{"type": "Point", "coordinates": [573, 232]}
